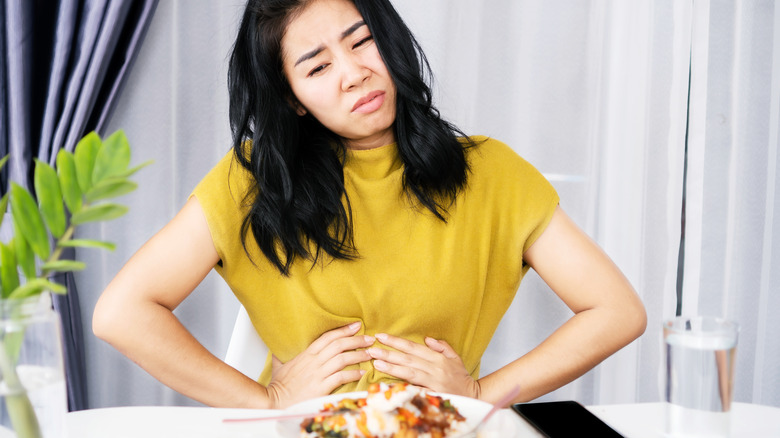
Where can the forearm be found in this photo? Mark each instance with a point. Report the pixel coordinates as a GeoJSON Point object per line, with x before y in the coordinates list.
{"type": "Point", "coordinates": [152, 336]}
{"type": "Point", "coordinates": [577, 346]}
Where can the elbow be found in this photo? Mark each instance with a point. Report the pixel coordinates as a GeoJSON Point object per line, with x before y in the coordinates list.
{"type": "Point", "coordinates": [100, 321]}
{"type": "Point", "coordinates": [637, 322]}
{"type": "Point", "coordinates": [641, 323]}
{"type": "Point", "coordinates": [106, 319]}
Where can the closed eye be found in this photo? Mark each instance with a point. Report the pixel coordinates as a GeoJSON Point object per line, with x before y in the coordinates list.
{"type": "Point", "coordinates": [363, 41]}
{"type": "Point", "coordinates": [317, 69]}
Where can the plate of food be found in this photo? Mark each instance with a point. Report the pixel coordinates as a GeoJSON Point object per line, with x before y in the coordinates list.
{"type": "Point", "coordinates": [385, 411]}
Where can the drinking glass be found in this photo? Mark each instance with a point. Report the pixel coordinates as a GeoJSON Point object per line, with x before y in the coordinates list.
{"type": "Point", "coordinates": [700, 354]}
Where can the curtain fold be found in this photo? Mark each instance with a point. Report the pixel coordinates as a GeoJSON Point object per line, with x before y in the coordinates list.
{"type": "Point", "coordinates": [57, 86]}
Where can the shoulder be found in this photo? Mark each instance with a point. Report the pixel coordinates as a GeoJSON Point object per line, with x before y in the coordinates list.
{"type": "Point", "coordinates": [503, 180]}
{"type": "Point", "coordinates": [222, 195]}
{"type": "Point", "coordinates": [498, 169]}
{"type": "Point", "coordinates": [227, 177]}
{"type": "Point", "coordinates": [494, 157]}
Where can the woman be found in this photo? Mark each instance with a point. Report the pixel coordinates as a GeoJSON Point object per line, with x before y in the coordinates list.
{"type": "Point", "coordinates": [367, 238]}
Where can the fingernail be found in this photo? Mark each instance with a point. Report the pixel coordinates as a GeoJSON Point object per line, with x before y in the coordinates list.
{"type": "Point", "coordinates": [368, 339]}
{"type": "Point", "coordinates": [362, 372]}
{"type": "Point", "coordinates": [374, 352]}
{"type": "Point", "coordinates": [381, 336]}
{"type": "Point", "coordinates": [354, 325]}
{"type": "Point", "coordinates": [380, 365]}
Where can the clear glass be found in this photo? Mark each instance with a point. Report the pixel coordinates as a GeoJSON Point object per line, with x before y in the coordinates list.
{"type": "Point", "coordinates": [32, 377]}
{"type": "Point", "coordinates": [700, 354]}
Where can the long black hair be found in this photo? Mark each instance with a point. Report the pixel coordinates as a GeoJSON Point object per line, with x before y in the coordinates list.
{"type": "Point", "coordinates": [298, 163]}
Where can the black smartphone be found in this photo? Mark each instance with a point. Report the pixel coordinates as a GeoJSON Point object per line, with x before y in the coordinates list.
{"type": "Point", "coordinates": [564, 419]}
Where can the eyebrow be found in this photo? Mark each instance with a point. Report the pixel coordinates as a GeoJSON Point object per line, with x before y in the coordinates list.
{"type": "Point", "coordinates": [311, 54]}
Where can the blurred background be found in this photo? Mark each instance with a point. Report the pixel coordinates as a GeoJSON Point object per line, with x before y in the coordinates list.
{"type": "Point", "coordinates": [656, 120]}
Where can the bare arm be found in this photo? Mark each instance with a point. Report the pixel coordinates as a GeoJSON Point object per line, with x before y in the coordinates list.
{"type": "Point", "coordinates": [608, 314]}
{"type": "Point", "coordinates": [135, 315]}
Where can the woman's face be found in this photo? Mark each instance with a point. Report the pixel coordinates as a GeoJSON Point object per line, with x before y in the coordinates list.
{"type": "Point", "coordinates": [335, 71]}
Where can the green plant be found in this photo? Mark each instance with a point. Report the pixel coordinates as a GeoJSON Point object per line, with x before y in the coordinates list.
{"type": "Point", "coordinates": [82, 182]}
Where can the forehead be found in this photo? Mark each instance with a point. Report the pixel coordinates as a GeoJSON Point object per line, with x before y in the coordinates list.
{"type": "Point", "coordinates": [319, 23]}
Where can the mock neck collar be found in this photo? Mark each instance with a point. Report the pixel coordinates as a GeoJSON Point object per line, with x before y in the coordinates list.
{"type": "Point", "coordinates": [375, 163]}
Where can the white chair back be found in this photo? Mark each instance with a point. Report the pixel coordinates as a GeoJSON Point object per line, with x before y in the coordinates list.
{"type": "Point", "coordinates": [246, 351]}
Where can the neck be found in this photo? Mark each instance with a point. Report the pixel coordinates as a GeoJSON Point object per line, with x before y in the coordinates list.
{"type": "Point", "coordinates": [373, 142]}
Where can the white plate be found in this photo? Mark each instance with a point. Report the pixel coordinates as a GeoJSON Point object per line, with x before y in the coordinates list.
{"type": "Point", "coordinates": [473, 410]}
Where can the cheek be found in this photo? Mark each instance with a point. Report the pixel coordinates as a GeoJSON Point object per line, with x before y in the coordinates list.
{"type": "Point", "coordinates": [317, 98]}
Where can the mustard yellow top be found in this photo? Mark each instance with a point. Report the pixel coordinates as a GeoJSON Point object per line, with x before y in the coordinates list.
{"type": "Point", "coordinates": [416, 275]}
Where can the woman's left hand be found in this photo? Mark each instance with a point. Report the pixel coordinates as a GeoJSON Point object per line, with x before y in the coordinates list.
{"type": "Point", "coordinates": [435, 365]}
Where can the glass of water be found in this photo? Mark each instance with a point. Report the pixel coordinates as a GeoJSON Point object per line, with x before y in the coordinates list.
{"type": "Point", "coordinates": [700, 354]}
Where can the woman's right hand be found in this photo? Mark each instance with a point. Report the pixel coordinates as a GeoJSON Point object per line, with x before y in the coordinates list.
{"type": "Point", "coordinates": [319, 369]}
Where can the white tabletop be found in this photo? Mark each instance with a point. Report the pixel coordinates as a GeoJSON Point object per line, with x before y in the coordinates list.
{"type": "Point", "coordinates": [643, 420]}
{"type": "Point", "coordinates": [646, 420]}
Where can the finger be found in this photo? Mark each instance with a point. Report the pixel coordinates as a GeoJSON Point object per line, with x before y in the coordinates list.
{"type": "Point", "coordinates": [441, 346]}
{"type": "Point", "coordinates": [393, 357]}
{"type": "Point", "coordinates": [341, 345]}
{"type": "Point", "coordinates": [326, 338]}
{"type": "Point", "coordinates": [406, 346]}
{"type": "Point", "coordinates": [341, 377]}
{"type": "Point", "coordinates": [411, 375]}
{"type": "Point", "coordinates": [343, 360]}
{"type": "Point", "coordinates": [407, 367]}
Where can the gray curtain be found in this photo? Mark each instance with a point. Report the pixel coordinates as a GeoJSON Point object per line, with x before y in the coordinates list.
{"type": "Point", "coordinates": [63, 65]}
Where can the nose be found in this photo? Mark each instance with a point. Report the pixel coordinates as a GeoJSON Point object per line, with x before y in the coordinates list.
{"type": "Point", "coordinates": [353, 74]}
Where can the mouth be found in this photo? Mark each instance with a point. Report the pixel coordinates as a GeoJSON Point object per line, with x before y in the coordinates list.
{"type": "Point", "coordinates": [369, 103]}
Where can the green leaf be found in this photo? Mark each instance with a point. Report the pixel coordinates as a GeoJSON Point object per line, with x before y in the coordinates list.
{"type": "Point", "coordinates": [113, 157]}
{"type": "Point", "coordinates": [84, 155]}
{"type": "Point", "coordinates": [69, 183]}
{"type": "Point", "coordinates": [26, 214]}
{"type": "Point", "coordinates": [63, 266]}
{"type": "Point", "coordinates": [24, 254]}
{"type": "Point", "coordinates": [3, 160]}
{"type": "Point", "coordinates": [102, 212]}
{"type": "Point", "coordinates": [36, 286]}
{"type": "Point", "coordinates": [3, 206]}
{"type": "Point", "coordinates": [110, 188]}
{"type": "Point", "coordinates": [9, 276]}
{"type": "Point", "coordinates": [47, 187]}
{"type": "Point", "coordinates": [130, 172]}
{"type": "Point", "coordinates": [86, 243]}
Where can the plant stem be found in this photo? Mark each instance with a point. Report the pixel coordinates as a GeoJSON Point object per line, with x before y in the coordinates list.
{"type": "Point", "coordinates": [20, 409]}
{"type": "Point", "coordinates": [58, 248]}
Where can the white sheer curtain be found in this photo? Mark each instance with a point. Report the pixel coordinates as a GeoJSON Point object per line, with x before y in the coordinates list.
{"type": "Point", "coordinates": [732, 249]}
{"type": "Point", "coordinates": [594, 93]}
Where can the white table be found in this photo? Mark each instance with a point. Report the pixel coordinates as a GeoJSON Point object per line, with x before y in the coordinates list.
{"type": "Point", "coordinates": [643, 420]}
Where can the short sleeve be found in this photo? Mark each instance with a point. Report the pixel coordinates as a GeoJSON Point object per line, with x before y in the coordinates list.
{"type": "Point", "coordinates": [525, 198]}
{"type": "Point", "coordinates": [221, 194]}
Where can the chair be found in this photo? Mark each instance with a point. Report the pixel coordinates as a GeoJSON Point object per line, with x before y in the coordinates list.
{"type": "Point", "coordinates": [246, 352]}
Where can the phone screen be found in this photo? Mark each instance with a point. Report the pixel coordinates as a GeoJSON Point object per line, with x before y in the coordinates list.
{"type": "Point", "coordinates": [564, 419]}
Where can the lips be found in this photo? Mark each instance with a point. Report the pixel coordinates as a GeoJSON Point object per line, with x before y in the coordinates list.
{"type": "Point", "coordinates": [369, 103]}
